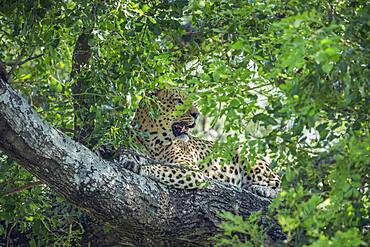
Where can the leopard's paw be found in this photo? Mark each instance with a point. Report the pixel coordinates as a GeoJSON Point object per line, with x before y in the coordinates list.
{"type": "Point", "coordinates": [265, 191]}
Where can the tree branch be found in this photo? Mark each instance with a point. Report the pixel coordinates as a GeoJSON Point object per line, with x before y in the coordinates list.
{"type": "Point", "coordinates": [21, 188]}
{"type": "Point", "coordinates": [3, 73]}
{"type": "Point", "coordinates": [25, 60]}
{"type": "Point", "coordinates": [83, 123]}
{"type": "Point", "coordinates": [15, 65]}
{"type": "Point", "coordinates": [143, 212]}
{"type": "Point", "coordinates": [30, 58]}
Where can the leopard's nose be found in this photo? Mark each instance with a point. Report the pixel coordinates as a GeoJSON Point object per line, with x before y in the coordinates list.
{"type": "Point", "coordinates": [195, 115]}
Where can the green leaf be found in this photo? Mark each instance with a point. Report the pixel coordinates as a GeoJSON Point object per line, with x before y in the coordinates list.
{"type": "Point", "coordinates": [264, 118]}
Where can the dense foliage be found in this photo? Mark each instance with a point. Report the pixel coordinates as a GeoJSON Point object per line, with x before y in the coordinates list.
{"type": "Point", "coordinates": [286, 78]}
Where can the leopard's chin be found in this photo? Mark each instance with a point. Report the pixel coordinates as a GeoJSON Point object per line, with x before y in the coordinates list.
{"type": "Point", "coordinates": [183, 137]}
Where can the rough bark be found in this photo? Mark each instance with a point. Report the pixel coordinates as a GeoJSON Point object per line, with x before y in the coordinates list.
{"type": "Point", "coordinates": [3, 73]}
{"type": "Point", "coordinates": [142, 211]}
{"type": "Point", "coordinates": [83, 121]}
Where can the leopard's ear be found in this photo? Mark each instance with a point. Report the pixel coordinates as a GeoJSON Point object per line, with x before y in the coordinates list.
{"type": "Point", "coordinates": [163, 91]}
{"type": "Point", "coordinates": [159, 92]}
{"type": "Point", "coordinates": [155, 92]}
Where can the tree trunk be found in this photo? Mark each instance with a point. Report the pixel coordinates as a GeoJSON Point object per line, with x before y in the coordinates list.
{"type": "Point", "coordinates": [143, 212]}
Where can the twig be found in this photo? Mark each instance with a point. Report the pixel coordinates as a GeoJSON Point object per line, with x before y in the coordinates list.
{"type": "Point", "coordinates": [15, 65]}
{"type": "Point", "coordinates": [144, 32]}
{"type": "Point", "coordinates": [26, 60]}
{"type": "Point", "coordinates": [3, 74]}
{"type": "Point", "coordinates": [260, 86]}
{"type": "Point", "coordinates": [30, 58]}
{"type": "Point", "coordinates": [21, 188]}
{"type": "Point", "coordinates": [67, 130]}
{"type": "Point", "coordinates": [8, 235]}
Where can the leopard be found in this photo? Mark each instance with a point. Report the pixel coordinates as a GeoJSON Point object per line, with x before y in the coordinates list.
{"type": "Point", "coordinates": [165, 138]}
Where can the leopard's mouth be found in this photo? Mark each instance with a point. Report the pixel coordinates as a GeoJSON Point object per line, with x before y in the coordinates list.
{"type": "Point", "coordinates": [179, 129]}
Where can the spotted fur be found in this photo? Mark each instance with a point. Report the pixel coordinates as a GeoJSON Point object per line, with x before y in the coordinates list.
{"type": "Point", "coordinates": [157, 136]}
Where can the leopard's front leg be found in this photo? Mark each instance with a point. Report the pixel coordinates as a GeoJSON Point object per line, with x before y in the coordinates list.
{"type": "Point", "coordinates": [262, 175]}
{"type": "Point", "coordinates": [261, 180]}
{"type": "Point", "coordinates": [180, 178]}
{"type": "Point", "coordinates": [174, 175]}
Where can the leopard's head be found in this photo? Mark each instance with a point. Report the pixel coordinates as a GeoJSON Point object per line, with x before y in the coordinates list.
{"type": "Point", "coordinates": [156, 121]}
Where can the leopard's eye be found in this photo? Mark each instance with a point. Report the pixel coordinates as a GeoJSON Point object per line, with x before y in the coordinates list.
{"type": "Point", "coordinates": [178, 101]}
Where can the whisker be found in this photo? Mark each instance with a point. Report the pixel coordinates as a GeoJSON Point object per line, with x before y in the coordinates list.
{"type": "Point", "coordinates": [186, 118]}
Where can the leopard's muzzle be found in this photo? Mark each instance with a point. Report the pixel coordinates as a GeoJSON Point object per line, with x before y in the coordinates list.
{"type": "Point", "coordinates": [181, 128]}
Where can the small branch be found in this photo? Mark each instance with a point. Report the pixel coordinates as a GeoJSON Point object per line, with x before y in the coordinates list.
{"type": "Point", "coordinates": [9, 233]}
{"type": "Point", "coordinates": [83, 125]}
{"type": "Point", "coordinates": [259, 86]}
{"type": "Point", "coordinates": [143, 34]}
{"type": "Point", "coordinates": [23, 187]}
{"type": "Point", "coordinates": [26, 60]}
{"type": "Point", "coordinates": [67, 130]}
{"type": "Point", "coordinates": [3, 74]}
{"type": "Point", "coordinates": [30, 58]}
{"type": "Point", "coordinates": [15, 65]}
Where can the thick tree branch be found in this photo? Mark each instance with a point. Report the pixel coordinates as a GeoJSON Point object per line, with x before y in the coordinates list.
{"type": "Point", "coordinates": [143, 212]}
